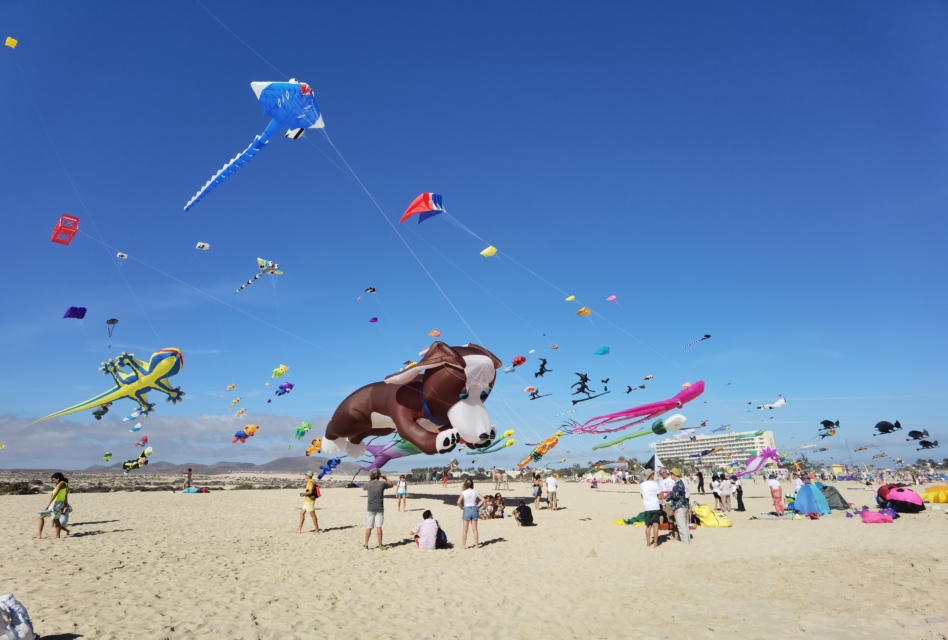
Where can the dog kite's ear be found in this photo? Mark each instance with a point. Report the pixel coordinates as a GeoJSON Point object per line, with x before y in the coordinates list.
{"type": "Point", "coordinates": [439, 355]}
{"type": "Point", "coordinates": [497, 363]}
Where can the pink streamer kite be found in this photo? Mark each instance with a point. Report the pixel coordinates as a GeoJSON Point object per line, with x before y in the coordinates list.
{"type": "Point", "coordinates": [756, 463]}
{"type": "Point", "coordinates": [647, 411]}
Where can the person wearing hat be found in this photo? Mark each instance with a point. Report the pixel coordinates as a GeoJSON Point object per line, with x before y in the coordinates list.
{"type": "Point", "coordinates": [678, 499]}
{"type": "Point", "coordinates": [649, 490]}
{"type": "Point", "coordinates": [309, 503]}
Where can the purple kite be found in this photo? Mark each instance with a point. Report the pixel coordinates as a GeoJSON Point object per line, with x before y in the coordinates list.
{"type": "Point", "coordinates": [647, 411]}
{"type": "Point", "coordinates": [75, 312]}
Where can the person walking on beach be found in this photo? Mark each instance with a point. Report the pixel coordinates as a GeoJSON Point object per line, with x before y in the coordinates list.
{"type": "Point", "coordinates": [739, 492]}
{"type": "Point", "coordinates": [537, 491]}
{"type": "Point", "coordinates": [678, 499]}
{"type": "Point", "coordinates": [724, 488]}
{"type": "Point", "coordinates": [309, 503]}
{"type": "Point", "coordinates": [776, 492]}
{"type": "Point", "coordinates": [469, 502]}
{"type": "Point", "coordinates": [187, 479]}
{"type": "Point", "coordinates": [700, 483]}
{"type": "Point", "coordinates": [444, 479]}
{"type": "Point", "coordinates": [649, 490]}
{"type": "Point", "coordinates": [375, 512]}
{"type": "Point", "coordinates": [401, 493]}
{"type": "Point", "coordinates": [551, 502]}
{"type": "Point", "coordinates": [58, 505]}
{"type": "Point", "coordinates": [715, 491]}
{"type": "Point", "coordinates": [497, 480]}
{"type": "Point", "coordinates": [503, 476]}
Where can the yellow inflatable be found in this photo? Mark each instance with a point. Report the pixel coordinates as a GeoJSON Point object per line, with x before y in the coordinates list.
{"type": "Point", "coordinates": [710, 518]}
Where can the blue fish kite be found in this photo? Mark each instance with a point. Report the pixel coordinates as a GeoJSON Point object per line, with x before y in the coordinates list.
{"type": "Point", "coordinates": [289, 104]}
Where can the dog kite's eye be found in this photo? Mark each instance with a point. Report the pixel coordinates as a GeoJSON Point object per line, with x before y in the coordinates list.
{"type": "Point", "coordinates": [484, 395]}
{"type": "Point", "coordinates": [462, 396]}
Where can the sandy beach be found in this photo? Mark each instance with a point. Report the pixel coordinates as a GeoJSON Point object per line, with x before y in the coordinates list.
{"type": "Point", "coordinates": [230, 564]}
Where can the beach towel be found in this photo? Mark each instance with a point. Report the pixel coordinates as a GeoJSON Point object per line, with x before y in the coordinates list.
{"type": "Point", "coordinates": [872, 517]}
{"type": "Point", "coordinates": [15, 622]}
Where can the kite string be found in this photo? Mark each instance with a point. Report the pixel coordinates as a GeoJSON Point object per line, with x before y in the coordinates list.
{"type": "Point", "coordinates": [75, 189]}
{"type": "Point", "coordinates": [241, 40]}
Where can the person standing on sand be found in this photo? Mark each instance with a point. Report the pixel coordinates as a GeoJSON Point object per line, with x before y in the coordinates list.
{"type": "Point", "coordinates": [678, 499]}
{"type": "Point", "coordinates": [649, 490]}
{"type": "Point", "coordinates": [444, 479]}
{"type": "Point", "coordinates": [724, 488]}
{"type": "Point", "coordinates": [739, 492]}
{"type": "Point", "coordinates": [469, 502]}
{"type": "Point", "coordinates": [551, 502]}
{"type": "Point", "coordinates": [375, 490]}
{"type": "Point", "coordinates": [58, 505]}
{"type": "Point", "coordinates": [401, 494]}
{"type": "Point", "coordinates": [503, 475]}
{"type": "Point", "coordinates": [187, 479]}
{"type": "Point", "coordinates": [700, 483]}
{"type": "Point", "coordinates": [776, 492]}
{"type": "Point", "coordinates": [537, 491]}
{"type": "Point", "coordinates": [309, 503]}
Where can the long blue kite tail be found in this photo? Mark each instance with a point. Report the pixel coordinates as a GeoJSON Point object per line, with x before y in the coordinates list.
{"type": "Point", "coordinates": [240, 160]}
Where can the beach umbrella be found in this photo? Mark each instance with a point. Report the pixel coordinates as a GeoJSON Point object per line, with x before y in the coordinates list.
{"type": "Point", "coordinates": [904, 500]}
{"type": "Point", "coordinates": [936, 495]}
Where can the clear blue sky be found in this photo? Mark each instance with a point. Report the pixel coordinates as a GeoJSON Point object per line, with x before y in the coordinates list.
{"type": "Point", "coordinates": [772, 174]}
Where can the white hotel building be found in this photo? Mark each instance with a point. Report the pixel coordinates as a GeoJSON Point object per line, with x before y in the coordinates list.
{"type": "Point", "coordinates": [735, 446]}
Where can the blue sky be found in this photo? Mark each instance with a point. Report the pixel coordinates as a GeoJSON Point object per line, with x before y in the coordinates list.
{"type": "Point", "coordinates": [773, 175]}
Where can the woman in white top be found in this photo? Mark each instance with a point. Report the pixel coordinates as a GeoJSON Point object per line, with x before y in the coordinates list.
{"type": "Point", "coordinates": [716, 490]}
{"type": "Point", "coordinates": [469, 502]}
{"type": "Point", "coordinates": [401, 493]}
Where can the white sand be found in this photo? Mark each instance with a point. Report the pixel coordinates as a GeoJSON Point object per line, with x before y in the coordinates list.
{"type": "Point", "coordinates": [230, 564]}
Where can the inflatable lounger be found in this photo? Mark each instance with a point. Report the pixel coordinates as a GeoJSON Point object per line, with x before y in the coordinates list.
{"type": "Point", "coordinates": [710, 518]}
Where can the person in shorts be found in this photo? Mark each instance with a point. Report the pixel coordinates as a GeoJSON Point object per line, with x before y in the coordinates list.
{"type": "Point", "coordinates": [469, 502]}
{"type": "Point", "coordinates": [375, 513]}
{"type": "Point", "coordinates": [309, 503]}
{"type": "Point", "coordinates": [653, 508]}
{"type": "Point", "coordinates": [401, 493]}
{"type": "Point", "coordinates": [551, 503]}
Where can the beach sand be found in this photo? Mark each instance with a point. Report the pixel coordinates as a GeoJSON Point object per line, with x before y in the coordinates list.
{"type": "Point", "coordinates": [230, 564]}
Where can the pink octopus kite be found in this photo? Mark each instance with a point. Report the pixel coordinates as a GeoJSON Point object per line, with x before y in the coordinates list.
{"type": "Point", "coordinates": [647, 411]}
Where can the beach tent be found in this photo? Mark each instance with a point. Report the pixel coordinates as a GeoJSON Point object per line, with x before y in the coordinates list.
{"type": "Point", "coordinates": [834, 498]}
{"type": "Point", "coordinates": [810, 500]}
{"type": "Point", "coordinates": [602, 476]}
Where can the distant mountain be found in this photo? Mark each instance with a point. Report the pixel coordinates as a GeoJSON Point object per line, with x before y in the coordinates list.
{"type": "Point", "coordinates": [291, 464]}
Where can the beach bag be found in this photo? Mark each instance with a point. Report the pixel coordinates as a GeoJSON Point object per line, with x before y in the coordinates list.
{"type": "Point", "coordinates": [537, 491]}
{"type": "Point", "coordinates": [15, 622]}
{"type": "Point", "coordinates": [441, 538]}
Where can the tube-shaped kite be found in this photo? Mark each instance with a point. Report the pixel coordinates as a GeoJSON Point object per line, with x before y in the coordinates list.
{"type": "Point", "coordinates": [647, 411]}
{"type": "Point", "coordinates": [659, 427]}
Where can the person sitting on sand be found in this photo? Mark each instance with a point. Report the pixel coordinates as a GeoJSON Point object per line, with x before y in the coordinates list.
{"type": "Point", "coordinates": [58, 505]}
{"type": "Point", "coordinates": [523, 515]}
{"type": "Point", "coordinates": [594, 484]}
{"type": "Point", "coordinates": [426, 532]}
{"type": "Point", "coordinates": [486, 511]}
{"type": "Point", "coordinates": [499, 506]}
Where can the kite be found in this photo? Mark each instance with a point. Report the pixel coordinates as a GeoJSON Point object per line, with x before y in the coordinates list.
{"type": "Point", "coordinates": [100, 412]}
{"type": "Point", "coordinates": [143, 442]}
{"type": "Point", "coordinates": [541, 449]}
{"type": "Point", "coordinates": [75, 312]}
{"type": "Point", "coordinates": [927, 444]}
{"type": "Point", "coordinates": [646, 411]}
{"type": "Point", "coordinates": [382, 454]}
{"type": "Point", "coordinates": [648, 377]}
{"type": "Point", "coordinates": [136, 428]}
{"type": "Point", "coordinates": [723, 427]}
{"type": "Point", "coordinates": [756, 463]}
{"type": "Point", "coordinates": [108, 456]}
{"type": "Point", "coordinates": [65, 230]}
{"type": "Point", "coordinates": [554, 347]}
{"type": "Point", "coordinates": [630, 389]}
{"type": "Point", "coordinates": [230, 387]}
{"type": "Point", "coordinates": [110, 324]}
{"type": "Point", "coordinates": [659, 427]}
{"type": "Point", "coordinates": [369, 290]}
{"type": "Point", "coordinates": [267, 267]}
{"type": "Point", "coordinates": [247, 432]}
{"type": "Point", "coordinates": [314, 447]}
{"type": "Point", "coordinates": [290, 104]}
{"type": "Point", "coordinates": [570, 298]}
{"type": "Point", "coordinates": [489, 251]}
{"type": "Point", "coordinates": [373, 319]}
{"type": "Point", "coordinates": [425, 206]}
{"type": "Point", "coordinates": [234, 402]}
{"type": "Point", "coordinates": [121, 256]}
{"type": "Point", "coordinates": [917, 435]}
{"type": "Point", "coordinates": [584, 311]}
{"type": "Point", "coordinates": [284, 389]}
{"type": "Point", "coordinates": [859, 448]}
{"type": "Point", "coordinates": [601, 351]}
{"type": "Point", "coordinates": [446, 390]}
{"type": "Point", "coordinates": [11, 42]}
{"type": "Point", "coordinates": [434, 333]}
{"type": "Point", "coordinates": [144, 376]}
{"type": "Point", "coordinates": [694, 342]}
{"type": "Point", "coordinates": [542, 370]}
{"type": "Point", "coordinates": [706, 452]}
{"type": "Point", "coordinates": [519, 360]}
{"type": "Point", "coordinates": [505, 440]}
{"type": "Point", "coordinates": [302, 430]}
{"type": "Point", "coordinates": [822, 449]}
{"type": "Point", "coordinates": [535, 394]}
{"type": "Point", "coordinates": [328, 468]}
{"type": "Point", "coordinates": [750, 435]}
{"type": "Point", "coordinates": [685, 385]}
{"type": "Point", "coordinates": [827, 433]}
{"type": "Point", "coordinates": [203, 246]}
{"type": "Point", "coordinates": [240, 412]}
{"type": "Point", "coordinates": [610, 299]}
{"type": "Point", "coordinates": [829, 424]}
{"type": "Point", "coordinates": [776, 405]}
{"type": "Point", "coordinates": [885, 427]}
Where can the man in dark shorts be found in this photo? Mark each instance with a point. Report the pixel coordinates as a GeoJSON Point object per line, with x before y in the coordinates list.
{"type": "Point", "coordinates": [653, 508]}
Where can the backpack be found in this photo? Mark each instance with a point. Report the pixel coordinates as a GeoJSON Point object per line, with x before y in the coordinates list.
{"type": "Point", "coordinates": [317, 492]}
{"type": "Point", "coordinates": [441, 538]}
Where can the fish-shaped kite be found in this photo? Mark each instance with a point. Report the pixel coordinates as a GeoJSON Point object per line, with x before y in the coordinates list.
{"type": "Point", "coordinates": [694, 342]}
{"type": "Point", "coordinates": [266, 268]}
